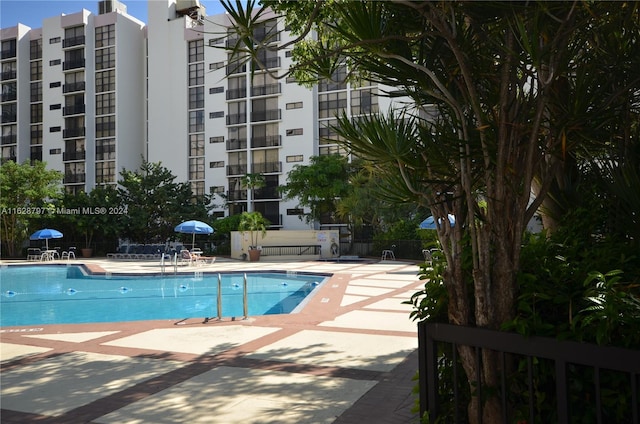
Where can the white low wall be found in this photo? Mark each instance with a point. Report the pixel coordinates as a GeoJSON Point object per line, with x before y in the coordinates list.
{"type": "Point", "coordinates": [327, 240]}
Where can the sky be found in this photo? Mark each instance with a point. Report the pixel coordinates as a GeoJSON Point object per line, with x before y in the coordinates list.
{"type": "Point", "coordinates": [32, 12]}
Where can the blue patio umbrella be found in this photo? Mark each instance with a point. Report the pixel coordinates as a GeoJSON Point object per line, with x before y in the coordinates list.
{"type": "Point", "coordinates": [46, 234]}
{"type": "Point", "coordinates": [193, 227]}
{"type": "Point", "coordinates": [430, 224]}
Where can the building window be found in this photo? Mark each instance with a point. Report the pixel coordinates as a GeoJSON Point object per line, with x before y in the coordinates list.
{"type": "Point", "coordinates": [35, 49]}
{"type": "Point", "coordinates": [36, 91]}
{"type": "Point", "coordinates": [295, 158]}
{"type": "Point", "coordinates": [55, 129]}
{"type": "Point", "coordinates": [196, 74]}
{"type": "Point", "coordinates": [332, 104]}
{"type": "Point", "coordinates": [105, 104]}
{"type": "Point", "coordinates": [218, 114]}
{"type": "Point", "coordinates": [105, 81]}
{"type": "Point", "coordinates": [57, 106]}
{"type": "Point", "coordinates": [36, 113]}
{"type": "Point", "coordinates": [55, 151]}
{"type": "Point", "coordinates": [105, 36]}
{"type": "Point", "coordinates": [196, 168]}
{"type": "Point", "coordinates": [106, 58]}
{"type": "Point", "coordinates": [36, 134]}
{"type": "Point", "coordinates": [36, 70]}
{"type": "Point", "coordinates": [218, 164]}
{"type": "Point", "coordinates": [55, 84]}
{"type": "Point", "coordinates": [105, 126]}
{"type": "Point", "coordinates": [219, 139]}
{"type": "Point", "coordinates": [106, 149]}
{"type": "Point", "coordinates": [196, 51]}
{"type": "Point", "coordinates": [364, 102]}
{"type": "Point", "coordinates": [216, 41]}
{"type": "Point", "coordinates": [295, 211]}
{"type": "Point", "coordinates": [54, 40]}
{"type": "Point", "coordinates": [337, 81]}
{"type": "Point", "coordinates": [196, 121]}
{"type": "Point", "coordinates": [196, 97]}
{"type": "Point", "coordinates": [105, 172]}
{"type": "Point", "coordinates": [196, 145]}
{"type": "Point", "coordinates": [55, 62]}
{"type": "Point", "coordinates": [294, 105]}
{"type": "Point", "coordinates": [216, 90]}
{"type": "Point", "coordinates": [294, 131]}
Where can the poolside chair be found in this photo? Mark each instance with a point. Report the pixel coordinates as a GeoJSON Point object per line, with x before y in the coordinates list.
{"type": "Point", "coordinates": [186, 256]}
{"type": "Point", "coordinates": [34, 254]}
{"type": "Point", "coordinates": [68, 254]}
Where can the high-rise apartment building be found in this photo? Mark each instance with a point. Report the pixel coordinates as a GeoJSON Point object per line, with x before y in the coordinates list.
{"type": "Point", "coordinates": [93, 94]}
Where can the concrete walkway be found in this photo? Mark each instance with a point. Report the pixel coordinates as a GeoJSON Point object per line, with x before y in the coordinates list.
{"type": "Point", "coordinates": [348, 356]}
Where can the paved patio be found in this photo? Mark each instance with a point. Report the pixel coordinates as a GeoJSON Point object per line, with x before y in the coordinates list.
{"type": "Point", "coordinates": [348, 356]}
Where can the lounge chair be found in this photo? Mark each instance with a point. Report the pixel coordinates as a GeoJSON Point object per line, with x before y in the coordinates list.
{"type": "Point", "coordinates": [34, 254]}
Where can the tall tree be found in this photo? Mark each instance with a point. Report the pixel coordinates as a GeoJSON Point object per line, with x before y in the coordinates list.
{"type": "Point", "coordinates": [156, 203]}
{"type": "Point", "coordinates": [26, 192]}
{"type": "Point", "coordinates": [503, 94]}
{"type": "Point", "coordinates": [319, 185]}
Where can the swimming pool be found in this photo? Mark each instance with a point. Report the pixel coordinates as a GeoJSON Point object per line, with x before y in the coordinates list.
{"type": "Point", "coordinates": [32, 295]}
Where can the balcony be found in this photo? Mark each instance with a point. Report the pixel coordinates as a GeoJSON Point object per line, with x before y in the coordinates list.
{"type": "Point", "coordinates": [236, 195]}
{"type": "Point", "coordinates": [74, 156]}
{"type": "Point", "coordinates": [9, 117]}
{"type": "Point", "coordinates": [74, 86]}
{"type": "Point", "coordinates": [265, 63]}
{"type": "Point", "coordinates": [262, 34]}
{"type": "Point", "coordinates": [266, 168]}
{"type": "Point", "coordinates": [266, 193]}
{"type": "Point", "coordinates": [236, 68]}
{"type": "Point", "coordinates": [237, 93]}
{"type": "Point", "coordinates": [36, 135]}
{"type": "Point", "coordinates": [238, 118]}
{"type": "Point", "coordinates": [9, 139]}
{"type": "Point", "coordinates": [9, 97]}
{"type": "Point", "coordinates": [7, 75]}
{"type": "Point", "coordinates": [264, 90]}
{"type": "Point", "coordinates": [73, 41]}
{"type": "Point", "coordinates": [267, 141]}
{"type": "Point", "coordinates": [73, 64]}
{"type": "Point", "coordinates": [237, 144]}
{"type": "Point", "coordinates": [8, 53]}
{"type": "Point", "coordinates": [237, 169]}
{"type": "Point", "coordinates": [74, 178]}
{"type": "Point", "coordinates": [73, 110]}
{"type": "Point", "coordinates": [73, 132]}
{"type": "Point", "coordinates": [266, 115]}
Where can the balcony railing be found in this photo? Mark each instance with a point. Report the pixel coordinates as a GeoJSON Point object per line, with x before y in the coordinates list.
{"type": "Point", "coordinates": [74, 178]}
{"type": "Point", "coordinates": [73, 110]}
{"type": "Point", "coordinates": [266, 168]}
{"type": "Point", "coordinates": [237, 144]}
{"type": "Point", "coordinates": [74, 156]}
{"type": "Point", "coordinates": [235, 195]}
{"type": "Point", "coordinates": [265, 63]}
{"type": "Point", "coordinates": [73, 41]}
{"type": "Point", "coordinates": [266, 115]}
{"type": "Point", "coordinates": [238, 118]}
{"type": "Point", "coordinates": [265, 90]}
{"type": "Point", "coordinates": [9, 97]}
{"type": "Point", "coordinates": [74, 86]}
{"type": "Point", "coordinates": [568, 395]}
{"type": "Point", "coordinates": [9, 139]}
{"type": "Point", "coordinates": [73, 132]}
{"type": "Point", "coordinates": [237, 93]}
{"type": "Point", "coordinates": [73, 64]}
{"type": "Point", "coordinates": [236, 169]}
{"type": "Point", "coordinates": [7, 75]}
{"type": "Point", "coordinates": [266, 193]}
{"type": "Point", "coordinates": [267, 141]}
{"type": "Point", "coordinates": [9, 117]}
{"type": "Point", "coordinates": [8, 53]}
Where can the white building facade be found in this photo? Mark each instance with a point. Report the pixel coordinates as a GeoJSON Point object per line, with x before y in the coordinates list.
{"type": "Point", "coordinates": [93, 94]}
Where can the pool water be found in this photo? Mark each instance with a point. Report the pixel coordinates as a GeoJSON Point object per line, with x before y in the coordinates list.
{"type": "Point", "coordinates": [32, 295]}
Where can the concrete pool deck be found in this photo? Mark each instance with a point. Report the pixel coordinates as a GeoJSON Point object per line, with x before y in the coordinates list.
{"type": "Point", "coordinates": [349, 356]}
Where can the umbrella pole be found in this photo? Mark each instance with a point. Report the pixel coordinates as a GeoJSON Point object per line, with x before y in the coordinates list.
{"type": "Point", "coordinates": [193, 241]}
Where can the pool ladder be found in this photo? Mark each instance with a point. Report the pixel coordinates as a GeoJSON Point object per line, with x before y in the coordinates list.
{"type": "Point", "coordinates": [174, 262]}
{"type": "Point", "coordinates": [245, 305]}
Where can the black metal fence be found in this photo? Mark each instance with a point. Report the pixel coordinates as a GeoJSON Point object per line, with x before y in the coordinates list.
{"type": "Point", "coordinates": [548, 380]}
{"type": "Point", "coordinates": [290, 250]}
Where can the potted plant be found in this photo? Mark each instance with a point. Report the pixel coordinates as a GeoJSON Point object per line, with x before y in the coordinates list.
{"type": "Point", "coordinates": [256, 225]}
